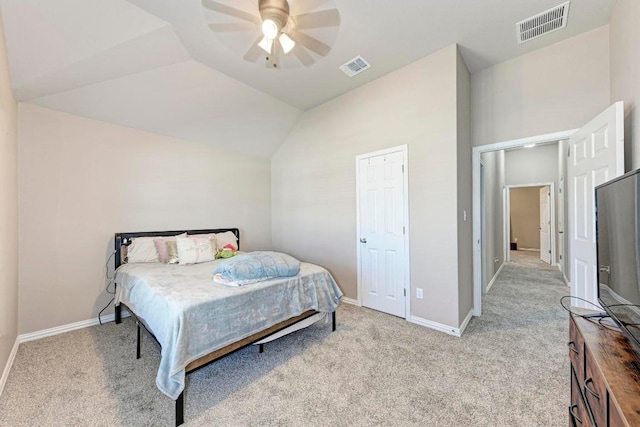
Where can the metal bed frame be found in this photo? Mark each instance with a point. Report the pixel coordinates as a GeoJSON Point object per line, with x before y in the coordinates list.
{"type": "Point", "coordinates": [124, 239]}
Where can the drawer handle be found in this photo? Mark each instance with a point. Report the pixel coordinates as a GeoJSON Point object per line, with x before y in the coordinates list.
{"type": "Point", "coordinates": [589, 389]}
{"type": "Point", "coordinates": [573, 414]}
{"type": "Point", "coordinates": [572, 347]}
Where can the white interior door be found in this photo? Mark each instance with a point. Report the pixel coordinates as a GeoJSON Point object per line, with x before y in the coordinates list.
{"type": "Point", "coordinates": [561, 224]}
{"type": "Point", "coordinates": [381, 207]}
{"type": "Point", "coordinates": [545, 224]}
{"type": "Point", "coordinates": [596, 155]}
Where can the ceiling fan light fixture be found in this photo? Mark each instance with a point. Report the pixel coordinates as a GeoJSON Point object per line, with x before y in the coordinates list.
{"type": "Point", "coordinates": [270, 29]}
{"type": "Point", "coordinates": [266, 44]}
{"type": "Point", "coordinates": [286, 43]}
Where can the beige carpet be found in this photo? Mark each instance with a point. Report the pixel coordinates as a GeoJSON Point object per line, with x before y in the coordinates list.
{"type": "Point", "coordinates": [510, 368]}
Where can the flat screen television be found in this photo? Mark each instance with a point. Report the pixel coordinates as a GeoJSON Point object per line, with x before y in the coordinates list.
{"type": "Point", "coordinates": [618, 249]}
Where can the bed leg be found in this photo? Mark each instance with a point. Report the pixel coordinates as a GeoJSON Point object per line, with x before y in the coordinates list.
{"type": "Point", "coordinates": [118, 314]}
{"type": "Point", "coordinates": [333, 321]}
{"type": "Point", "coordinates": [138, 341]}
{"type": "Point", "coordinates": [260, 348]}
{"type": "Point", "coordinates": [180, 409]}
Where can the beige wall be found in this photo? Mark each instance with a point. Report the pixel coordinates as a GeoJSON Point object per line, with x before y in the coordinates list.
{"type": "Point", "coordinates": [465, 234]}
{"type": "Point", "coordinates": [625, 73]}
{"type": "Point", "coordinates": [313, 178]}
{"type": "Point", "coordinates": [82, 180]}
{"type": "Point", "coordinates": [552, 89]}
{"type": "Point", "coordinates": [525, 217]}
{"type": "Point", "coordinates": [8, 211]}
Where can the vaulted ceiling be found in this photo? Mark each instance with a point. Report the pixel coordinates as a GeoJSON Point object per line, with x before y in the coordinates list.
{"type": "Point", "coordinates": [156, 65]}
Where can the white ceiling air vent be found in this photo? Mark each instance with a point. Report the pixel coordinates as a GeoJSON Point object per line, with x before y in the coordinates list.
{"type": "Point", "coordinates": [355, 66]}
{"type": "Point", "coordinates": [543, 23]}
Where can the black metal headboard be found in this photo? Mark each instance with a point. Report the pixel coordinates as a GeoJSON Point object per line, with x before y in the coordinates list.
{"type": "Point", "coordinates": [120, 238]}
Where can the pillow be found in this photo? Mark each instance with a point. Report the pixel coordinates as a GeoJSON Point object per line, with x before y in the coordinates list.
{"type": "Point", "coordinates": [222, 239]}
{"type": "Point", "coordinates": [194, 250]}
{"type": "Point", "coordinates": [161, 246]}
{"type": "Point", "coordinates": [142, 249]}
{"type": "Point", "coordinates": [227, 238]}
{"type": "Point", "coordinates": [172, 252]}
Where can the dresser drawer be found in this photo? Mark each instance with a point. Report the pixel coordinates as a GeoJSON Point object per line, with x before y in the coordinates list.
{"type": "Point", "coordinates": [578, 414]}
{"type": "Point", "coordinates": [595, 391]}
{"type": "Point", "coordinates": [576, 350]}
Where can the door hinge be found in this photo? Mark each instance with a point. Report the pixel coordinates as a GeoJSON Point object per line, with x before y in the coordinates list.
{"type": "Point", "coordinates": [404, 230]}
{"type": "Point", "coordinates": [405, 292]}
{"type": "Point", "coordinates": [402, 168]}
{"type": "Point", "coordinates": [549, 250]}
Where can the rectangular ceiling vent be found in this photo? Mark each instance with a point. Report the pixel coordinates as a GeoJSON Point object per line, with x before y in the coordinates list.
{"type": "Point", "coordinates": [543, 23]}
{"type": "Point", "coordinates": [355, 66]}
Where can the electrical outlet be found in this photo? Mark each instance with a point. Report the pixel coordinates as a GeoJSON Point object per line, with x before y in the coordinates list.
{"type": "Point", "coordinates": [419, 293]}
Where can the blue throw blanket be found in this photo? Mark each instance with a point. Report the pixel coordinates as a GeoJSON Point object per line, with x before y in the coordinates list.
{"type": "Point", "coordinates": [258, 265]}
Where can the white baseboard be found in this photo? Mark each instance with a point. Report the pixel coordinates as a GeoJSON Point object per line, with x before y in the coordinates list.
{"type": "Point", "coordinates": [529, 249]}
{"type": "Point", "coordinates": [67, 328]}
{"type": "Point", "coordinates": [495, 276]}
{"type": "Point", "coordinates": [7, 367]}
{"type": "Point", "coordinates": [466, 321]}
{"type": "Point", "coordinates": [350, 301]}
{"type": "Point", "coordinates": [456, 332]}
{"type": "Point", "coordinates": [564, 276]}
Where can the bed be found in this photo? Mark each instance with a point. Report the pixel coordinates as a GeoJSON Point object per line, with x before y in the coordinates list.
{"type": "Point", "coordinates": [197, 321]}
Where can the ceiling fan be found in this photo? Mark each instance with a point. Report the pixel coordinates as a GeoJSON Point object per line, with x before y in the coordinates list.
{"type": "Point", "coordinates": [278, 31]}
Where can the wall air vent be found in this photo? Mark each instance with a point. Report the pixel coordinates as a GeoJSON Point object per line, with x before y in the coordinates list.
{"type": "Point", "coordinates": [543, 23]}
{"type": "Point", "coordinates": [355, 66]}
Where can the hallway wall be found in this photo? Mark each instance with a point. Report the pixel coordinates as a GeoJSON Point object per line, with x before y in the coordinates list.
{"type": "Point", "coordinates": [494, 212]}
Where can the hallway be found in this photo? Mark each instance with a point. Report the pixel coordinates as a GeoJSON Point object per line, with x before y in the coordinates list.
{"type": "Point", "coordinates": [530, 259]}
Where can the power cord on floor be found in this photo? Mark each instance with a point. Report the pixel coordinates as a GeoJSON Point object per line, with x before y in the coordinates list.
{"type": "Point", "coordinates": [109, 283]}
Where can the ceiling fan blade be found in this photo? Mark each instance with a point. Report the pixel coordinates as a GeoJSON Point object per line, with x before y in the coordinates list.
{"type": "Point", "coordinates": [237, 26]}
{"type": "Point", "coordinates": [324, 18]}
{"type": "Point", "coordinates": [311, 43]}
{"type": "Point", "coordinates": [231, 11]}
{"type": "Point", "coordinates": [302, 55]}
{"type": "Point", "coordinates": [273, 58]}
{"type": "Point", "coordinates": [254, 51]}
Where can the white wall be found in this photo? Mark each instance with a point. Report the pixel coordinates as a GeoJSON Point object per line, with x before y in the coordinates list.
{"type": "Point", "coordinates": [532, 165]}
{"type": "Point", "coordinates": [81, 181]}
{"type": "Point", "coordinates": [625, 73]}
{"type": "Point", "coordinates": [8, 211]}
{"type": "Point", "coordinates": [552, 89]}
{"type": "Point", "coordinates": [313, 178]}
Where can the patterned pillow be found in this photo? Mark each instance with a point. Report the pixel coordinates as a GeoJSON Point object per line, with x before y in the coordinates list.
{"type": "Point", "coordinates": [194, 250]}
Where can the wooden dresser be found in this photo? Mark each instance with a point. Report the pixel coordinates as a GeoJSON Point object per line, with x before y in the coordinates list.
{"type": "Point", "coordinates": [605, 375]}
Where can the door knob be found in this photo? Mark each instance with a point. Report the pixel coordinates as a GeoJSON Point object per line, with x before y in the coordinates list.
{"type": "Point", "coordinates": [363, 240]}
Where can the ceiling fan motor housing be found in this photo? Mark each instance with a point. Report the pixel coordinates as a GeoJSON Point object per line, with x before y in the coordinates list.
{"type": "Point", "coordinates": [276, 10]}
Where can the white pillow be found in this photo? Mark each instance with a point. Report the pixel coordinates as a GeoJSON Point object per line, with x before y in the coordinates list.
{"type": "Point", "coordinates": [194, 250]}
{"type": "Point", "coordinates": [226, 238]}
{"type": "Point", "coordinates": [142, 249]}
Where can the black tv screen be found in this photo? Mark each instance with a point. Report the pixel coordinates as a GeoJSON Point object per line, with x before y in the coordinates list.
{"type": "Point", "coordinates": [618, 243]}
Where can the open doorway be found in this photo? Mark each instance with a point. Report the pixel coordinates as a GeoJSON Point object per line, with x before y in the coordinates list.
{"type": "Point", "coordinates": [530, 220]}
{"type": "Point", "coordinates": [494, 243]}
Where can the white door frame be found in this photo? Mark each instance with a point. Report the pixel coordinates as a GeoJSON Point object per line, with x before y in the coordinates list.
{"type": "Point", "coordinates": [475, 165]}
{"type": "Point", "coordinates": [405, 184]}
{"type": "Point", "coordinates": [507, 217]}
